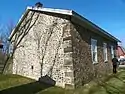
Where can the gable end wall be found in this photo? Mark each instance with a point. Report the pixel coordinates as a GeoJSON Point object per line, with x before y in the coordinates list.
{"type": "Point", "coordinates": [46, 51]}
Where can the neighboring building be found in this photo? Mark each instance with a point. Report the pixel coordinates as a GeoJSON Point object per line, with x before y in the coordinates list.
{"type": "Point", "coordinates": [63, 46]}
{"type": "Point", "coordinates": [121, 53]}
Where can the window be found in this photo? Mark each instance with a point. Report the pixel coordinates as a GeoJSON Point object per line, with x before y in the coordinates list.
{"type": "Point", "coordinates": [105, 51]}
{"type": "Point", "coordinates": [94, 50]}
{"type": "Point", "coordinates": [112, 51]}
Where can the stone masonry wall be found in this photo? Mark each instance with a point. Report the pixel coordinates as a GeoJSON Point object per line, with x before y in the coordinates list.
{"type": "Point", "coordinates": [84, 69]}
{"type": "Point", "coordinates": [56, 48]}
{"type": "Point", "coordinates": [45, 49]}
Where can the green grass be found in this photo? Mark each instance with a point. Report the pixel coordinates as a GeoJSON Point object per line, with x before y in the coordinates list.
{"type": "Point", "coordinates": [114, 84]}
{"type": "Point", "coordinates": [15, 84]}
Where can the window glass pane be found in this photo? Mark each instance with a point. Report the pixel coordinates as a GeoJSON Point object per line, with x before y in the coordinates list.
{"type": "Point", "coordinates": [94, 50]}
{"type": "Point", "coordinates": [112, 52]}
{"type": "Point", "coordinates": [105, 51]}
{"type": "Point", "coordinates": [94, 56]}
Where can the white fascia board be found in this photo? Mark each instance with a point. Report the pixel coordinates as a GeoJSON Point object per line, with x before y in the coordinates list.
{"type": "Point", "coordinates": [52, 10]}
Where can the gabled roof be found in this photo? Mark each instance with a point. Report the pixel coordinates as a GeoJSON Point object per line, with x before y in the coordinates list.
{"type": "Point", "coordinates": [75, 17]}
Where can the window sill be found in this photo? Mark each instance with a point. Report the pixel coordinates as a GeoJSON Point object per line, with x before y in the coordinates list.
{"type": "Point", "coordinates": [95, 63]}
{"type": "Point", "coordinates": [106, 61]}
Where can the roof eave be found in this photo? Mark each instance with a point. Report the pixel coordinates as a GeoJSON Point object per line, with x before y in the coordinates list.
{"type": "Point", "coordinates": [74, 14]}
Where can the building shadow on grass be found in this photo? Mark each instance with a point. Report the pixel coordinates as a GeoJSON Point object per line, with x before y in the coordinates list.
{"type": "Point", "coordinates": [30, 88]}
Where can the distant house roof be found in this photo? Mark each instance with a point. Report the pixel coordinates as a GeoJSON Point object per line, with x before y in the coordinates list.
{"type": "Point", "coordinates": [120, 51]}
{"type": "Point", "coordinates": [75, 17]}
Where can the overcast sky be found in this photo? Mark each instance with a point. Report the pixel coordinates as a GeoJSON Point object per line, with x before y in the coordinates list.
{"type": "Point", "coordinates": [107, 14]}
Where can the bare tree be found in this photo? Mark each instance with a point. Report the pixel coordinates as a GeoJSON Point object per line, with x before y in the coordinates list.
{"type": "Point", "coordinates": [20, 32]}
{"type": "Point", "coordinates": [5, 33]}
{"type": "Point", "coordinates": [38, 38]}
{"type": "Point", "coordinates": [56, 54]}
{"type": "Point", "coordinates": [23, 30]}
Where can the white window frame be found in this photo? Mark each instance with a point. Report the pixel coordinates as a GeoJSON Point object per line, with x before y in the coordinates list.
{"type": "Point", "coordinates": [94, 45]}
{"type": "Point", "coordinates": [105, 52]}
{"type": "Point", "coordinates": [112, 51]}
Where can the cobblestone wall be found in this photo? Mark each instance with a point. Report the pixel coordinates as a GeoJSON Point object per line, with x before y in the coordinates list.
{"type": "Point", "coordinates": [84, 69]}
{"type": "Point", "coordinates": [61, 50]}
{"type": "Point", "coordinates": [44, 50]}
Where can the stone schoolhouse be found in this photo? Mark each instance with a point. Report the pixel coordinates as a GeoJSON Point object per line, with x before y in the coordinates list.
{"type": "Point", "coordinates": [62, 46]}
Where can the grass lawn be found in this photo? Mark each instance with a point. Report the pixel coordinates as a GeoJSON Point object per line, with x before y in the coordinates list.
{"type": "Point", "coordinates": [14, 84]}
